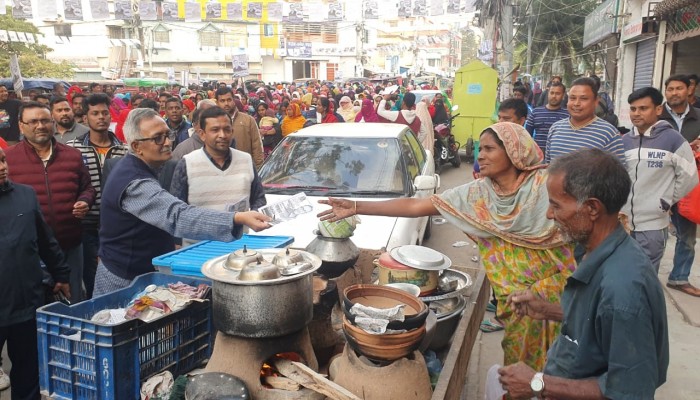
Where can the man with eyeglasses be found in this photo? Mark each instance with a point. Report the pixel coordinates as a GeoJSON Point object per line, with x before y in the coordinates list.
{"type": "Point", "coordinates": [61, 181]}
{"type": "Point", "coordinates": [139, 218]}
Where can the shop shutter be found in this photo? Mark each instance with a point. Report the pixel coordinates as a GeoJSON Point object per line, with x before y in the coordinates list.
{"type": "Point", "coordinates": [687, 57]}
{"type": "Point", "coordinates": [644, 63]}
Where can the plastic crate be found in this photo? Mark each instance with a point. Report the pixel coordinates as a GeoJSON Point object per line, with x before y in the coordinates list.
{"type": "Point", "coordinates": [80, 359]}
{"type": "Point", "coordinates": [189, 260]}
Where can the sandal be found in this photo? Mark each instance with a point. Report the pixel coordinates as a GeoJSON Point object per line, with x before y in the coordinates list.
{"type": "Point", "coordinates": [488, 325]}
{"type": "Point", "coordinates": [490, 307]}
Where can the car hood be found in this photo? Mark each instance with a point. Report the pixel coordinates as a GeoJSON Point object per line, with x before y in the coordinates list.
{"type": "Point", "coordinates": [372, 232]}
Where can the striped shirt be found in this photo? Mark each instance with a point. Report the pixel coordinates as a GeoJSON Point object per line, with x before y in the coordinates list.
{"type": "Point", "coordinates": [540, 120]}
{"type": "Point", "coordinates": [600, 134]}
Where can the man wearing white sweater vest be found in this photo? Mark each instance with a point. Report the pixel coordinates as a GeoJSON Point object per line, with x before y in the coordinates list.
{"type": "Point", "coordinates": [217, 176]}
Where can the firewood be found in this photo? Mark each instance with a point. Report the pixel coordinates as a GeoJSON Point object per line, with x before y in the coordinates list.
{"type": "Point", "coordinates": [282, 383]}
{"type": "Point", "coordinates": [311, 379]}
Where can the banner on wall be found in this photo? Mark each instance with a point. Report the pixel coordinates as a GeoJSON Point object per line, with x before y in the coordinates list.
{"type": "Point", "coordinates": [274, 12]}
{"type": "Point", "coordinates": [371, 9]}
{"type": "Point", "coordinates": [335, 11]}
{"type": "Point", "coordinates": [122, 9]}
{"type": "Point", "coordinates": [99, 9]}
{"type": "Point", "coordinates": [147, 11]}
{"type": "Point", "coordinates": [296, 13]}
{"type": "Point", "coordinates": [193, 12]}
{"type": "Point", "coordinates": [213, 10]}
{"type": "Point", "coordinates": [420, 8]}
{"type": "Point", "coordinates": [254, 10]}
{"type": "Point", "coordinates": [234, 11]}
{"type": "Point", "coordinates": [169, 11]}
{"type": "Point", "coordinates": [22, 9]}
{"type": "Point", "coordinates": [299, 49]}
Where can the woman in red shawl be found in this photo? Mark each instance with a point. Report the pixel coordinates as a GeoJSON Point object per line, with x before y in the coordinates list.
{"type": "Point", "coordinates": [367, 112]}
{"type": "Point", "coordinates": [326, 111]}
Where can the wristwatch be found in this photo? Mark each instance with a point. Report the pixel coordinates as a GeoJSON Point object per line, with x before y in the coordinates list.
{"type": "Point", "coordinates": [537, 383]}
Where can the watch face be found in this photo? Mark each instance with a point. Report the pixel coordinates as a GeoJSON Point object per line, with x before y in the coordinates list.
{"type": "Point", "coordinates": [537, 385]}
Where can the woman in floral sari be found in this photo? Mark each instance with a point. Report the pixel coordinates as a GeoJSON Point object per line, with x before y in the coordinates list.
{"type": "Point", "coordinates": [504, 212]}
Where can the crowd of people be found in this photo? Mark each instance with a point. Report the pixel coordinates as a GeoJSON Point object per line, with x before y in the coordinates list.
{"type": "Point", "coordinates": [94, 184]}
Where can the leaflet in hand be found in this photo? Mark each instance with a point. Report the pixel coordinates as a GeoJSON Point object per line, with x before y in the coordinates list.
{"type": "Point", "coordinates": [288, 209]}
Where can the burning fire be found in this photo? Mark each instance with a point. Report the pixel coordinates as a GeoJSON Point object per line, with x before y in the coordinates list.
{"type": "Point", "coordinates": [268, 368]}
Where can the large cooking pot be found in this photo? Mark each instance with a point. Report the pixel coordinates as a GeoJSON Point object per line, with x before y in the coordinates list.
{"type": "Point", "coordinates": [261, 308]}
{"type": "Point", "coordinates": [337, 254]}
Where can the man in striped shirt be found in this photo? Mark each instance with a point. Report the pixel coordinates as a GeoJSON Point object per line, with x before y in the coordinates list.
{"type": "Point", "coordinates": [541, 118]}
{"type": "Point", "coordinates": [583, 129]}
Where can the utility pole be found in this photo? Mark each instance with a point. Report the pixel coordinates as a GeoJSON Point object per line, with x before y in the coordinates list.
{"type": "Point", "coordinates": [359, 43]}
{"type": "Point", "coordinates": [506, 29]}
{"type": "Point", "coordinates": [529, 44]}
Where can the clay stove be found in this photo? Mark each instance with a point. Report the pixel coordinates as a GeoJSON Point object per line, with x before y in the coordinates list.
{"type": "Point", "coordinates": [245, 357]}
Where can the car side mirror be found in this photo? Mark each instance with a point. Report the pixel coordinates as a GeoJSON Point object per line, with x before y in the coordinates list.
{"type": "Point", "coordinates": [423, 182]}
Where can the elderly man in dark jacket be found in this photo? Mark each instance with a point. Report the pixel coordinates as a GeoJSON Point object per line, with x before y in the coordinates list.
{"type": "Point", "coordinates": [60, 179]}
{"type": "Point", "coordinates": [24, 239]}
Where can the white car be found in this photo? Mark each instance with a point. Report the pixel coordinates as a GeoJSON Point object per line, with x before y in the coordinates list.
{"type": "Point", "coordinates": [359, 161]}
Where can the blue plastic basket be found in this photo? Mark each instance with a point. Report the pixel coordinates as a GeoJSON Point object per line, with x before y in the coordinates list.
{"type": "Point", "coordinates": [80, 359]}
{"type": "Point", "coordinates": [189, 260]}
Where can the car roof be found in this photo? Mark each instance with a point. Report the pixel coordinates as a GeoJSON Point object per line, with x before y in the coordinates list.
{"type": "Point", "coordinates": [357, 130]}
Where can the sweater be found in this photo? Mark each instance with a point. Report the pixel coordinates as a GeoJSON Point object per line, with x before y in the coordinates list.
{"type": "Point", "coordinates": [64, 181]}
{"type": "Point", "coordinates": [662, 167]}
{"type": "Point", "coordinates": [25, 238]}
{"type": "Point", "coordinates": [247, 136]}
{"type": "Point", "coordinates": [691, 123]}
{"type": "Point", "coordinates": [212, 188]}
{"type": "Point", "coordinates": [92, 161]}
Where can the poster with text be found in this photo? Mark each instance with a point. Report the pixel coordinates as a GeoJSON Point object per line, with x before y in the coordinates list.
{"type": "Point", "coordinates": [169, 11]}
{"type": "Point", "coordinates": [193, 12]}
{"type": "Point", "coordinates": [274, 12]}
{"type": "Point", "coordinates": [21, 9]}
{"type": "Point", "coordinates": [234, 11]}
{"type": "Point", "coordinates": [296, 13]}
{"type": "Point", "coordinates": [453, 6]}
{"type": "Point", "coordinates": [148, 11]}
{"type": "Point", "coordinates": [299, 49]}
{"type": "Point", "coordinates": [213, 10]}
{"type": "Point", "coordinates": [99, 9]}
{"type": "Point", "coordinates": [122, 9]}
{"type": "Point", "coordinates": [371, 9]}
{"type": "Point", "coordinates": [420, 8]}
{"type": "Point", "coordinates": [436, 7]}
{"type": "Point", "coordinates": [73, 10]}
{"type": "Point", "coordinates": [46, 9]}
{"type": "Point", "coordinates": [335, 11]}
{"type": "Point", "coordinates": [254, 10]}
{"type": "Point", "coordinates": [404, 8]}
{"type": "Point", "coordinates": [240, 65]}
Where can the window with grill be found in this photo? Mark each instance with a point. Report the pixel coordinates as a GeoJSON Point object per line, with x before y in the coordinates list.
{"type": "Point", "coordinates": [312, 32]}
{"type": "Point", "coordinates": [268, 30]}
{"type": "Point", "coordinates": [115, 32]}
{"type": "Point", "coordinates": [161, 35]}
{"type": "Point", "coordinates": [212, 39]}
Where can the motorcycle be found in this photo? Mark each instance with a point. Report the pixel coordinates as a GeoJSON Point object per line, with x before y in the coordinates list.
{"type": "Point", "coordinates": [446, 148]}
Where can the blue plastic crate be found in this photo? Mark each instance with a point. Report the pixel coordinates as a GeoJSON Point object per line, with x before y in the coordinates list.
{"type": "Point", "coordinates": [189, 260]}
{"type": "Point", "coordinates": [80, 359]}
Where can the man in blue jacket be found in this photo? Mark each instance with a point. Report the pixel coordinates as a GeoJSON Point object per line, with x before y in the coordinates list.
{"type": "Point", "coordinates": [25, 238]}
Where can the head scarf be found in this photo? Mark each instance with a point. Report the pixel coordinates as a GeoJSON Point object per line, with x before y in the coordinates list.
{"type": "Point", "coordinates": [71, 91]}
{"type": "Point", "coordinates": [424, 115]}
{"type": "Point", "coordinates": [293, 123]}
{"type": "Point", "coordinates": [519, 216]}
{"type": "Point", "coordinates": [348, 113]}
{"type": "Point", "coordinates": [440, 112]}
{"type": "Point", "coordinates": [367, 113]}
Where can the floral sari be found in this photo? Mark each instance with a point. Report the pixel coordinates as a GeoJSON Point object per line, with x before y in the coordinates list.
{"type": "Point", "coordinates": [520, 248]}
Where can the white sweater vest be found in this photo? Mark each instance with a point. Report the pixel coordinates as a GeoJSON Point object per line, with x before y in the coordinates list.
{"type": "Point", "coordinates": [212, 188]}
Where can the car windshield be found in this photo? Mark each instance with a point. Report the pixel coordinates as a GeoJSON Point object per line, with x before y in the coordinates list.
{"type": "Point", "coordinates": [340, 166]}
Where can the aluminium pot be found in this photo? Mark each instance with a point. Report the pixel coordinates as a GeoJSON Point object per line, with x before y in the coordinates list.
{"type": "Point", "coordinates": [264, 308]}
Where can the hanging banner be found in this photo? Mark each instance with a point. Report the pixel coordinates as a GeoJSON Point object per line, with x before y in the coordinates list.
{"type": "Point", "coordinates": [22, 9]}
{"type": "Point", "coordinates": [193, 12]}
{"type": "Point", "coordinates": [371, 9]}
{"type": "Point", "coordinates": [274, 12]}
{"type": "Point", "coordinates": [46, 9]}
{"type": "Point", "coordinates": [453, 6]}
{"type": "Point", "coordinates": [254, 11]}
{"type": "Point", "coordinates": [13, 36]}
{"type": "Point", "coordinates": [299, 49]}
{"type": "Point", "coordinates": [16, 75]}
{"type": "Point", "coordinates": [213, 10]}
{"type": "Point", "coordinates": [420, 8]}
{"type": "Point", "coordinates": [73, 10]}
{"type": "Point", "coordinates": [122, 9]}
{"type": "Point", "coordinates": [240, 65]}
{"type": "Point", "coordinates": [436, 7]}
{"type": "Point", "coordinates": [296, 13]}
{"type": "Point", "coordinates": [404, 8]}
{"type": "Point", "coordinates": [335, 11]}
{"type": "Point", "coordinates": [234, 11]}
{"type": "Point", "coordinates": [169, 11]}
{"type": "Point", "coordinates": [4, 37]}
{"type": "Point", "coordinates": [147, 10]}
{"type": "Point", "coordinates": [99, 9]}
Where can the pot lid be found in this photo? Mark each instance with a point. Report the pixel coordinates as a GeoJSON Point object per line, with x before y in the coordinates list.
{"type": "Point", "coordinates": [421, 257]}
{"type": "Point", "coordinates": [387, 261]}
{"type": "Point", "coordinates": [215, 269]}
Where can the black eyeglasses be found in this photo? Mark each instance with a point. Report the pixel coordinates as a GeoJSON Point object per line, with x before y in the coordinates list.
{"type": "Point", "coordinates": [159, 139]}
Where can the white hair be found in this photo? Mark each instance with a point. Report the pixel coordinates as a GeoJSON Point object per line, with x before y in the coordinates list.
{"type": "Point", "coordinates": [205, 101]}
{"type": "Point", "coordinates": [132, 125]}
